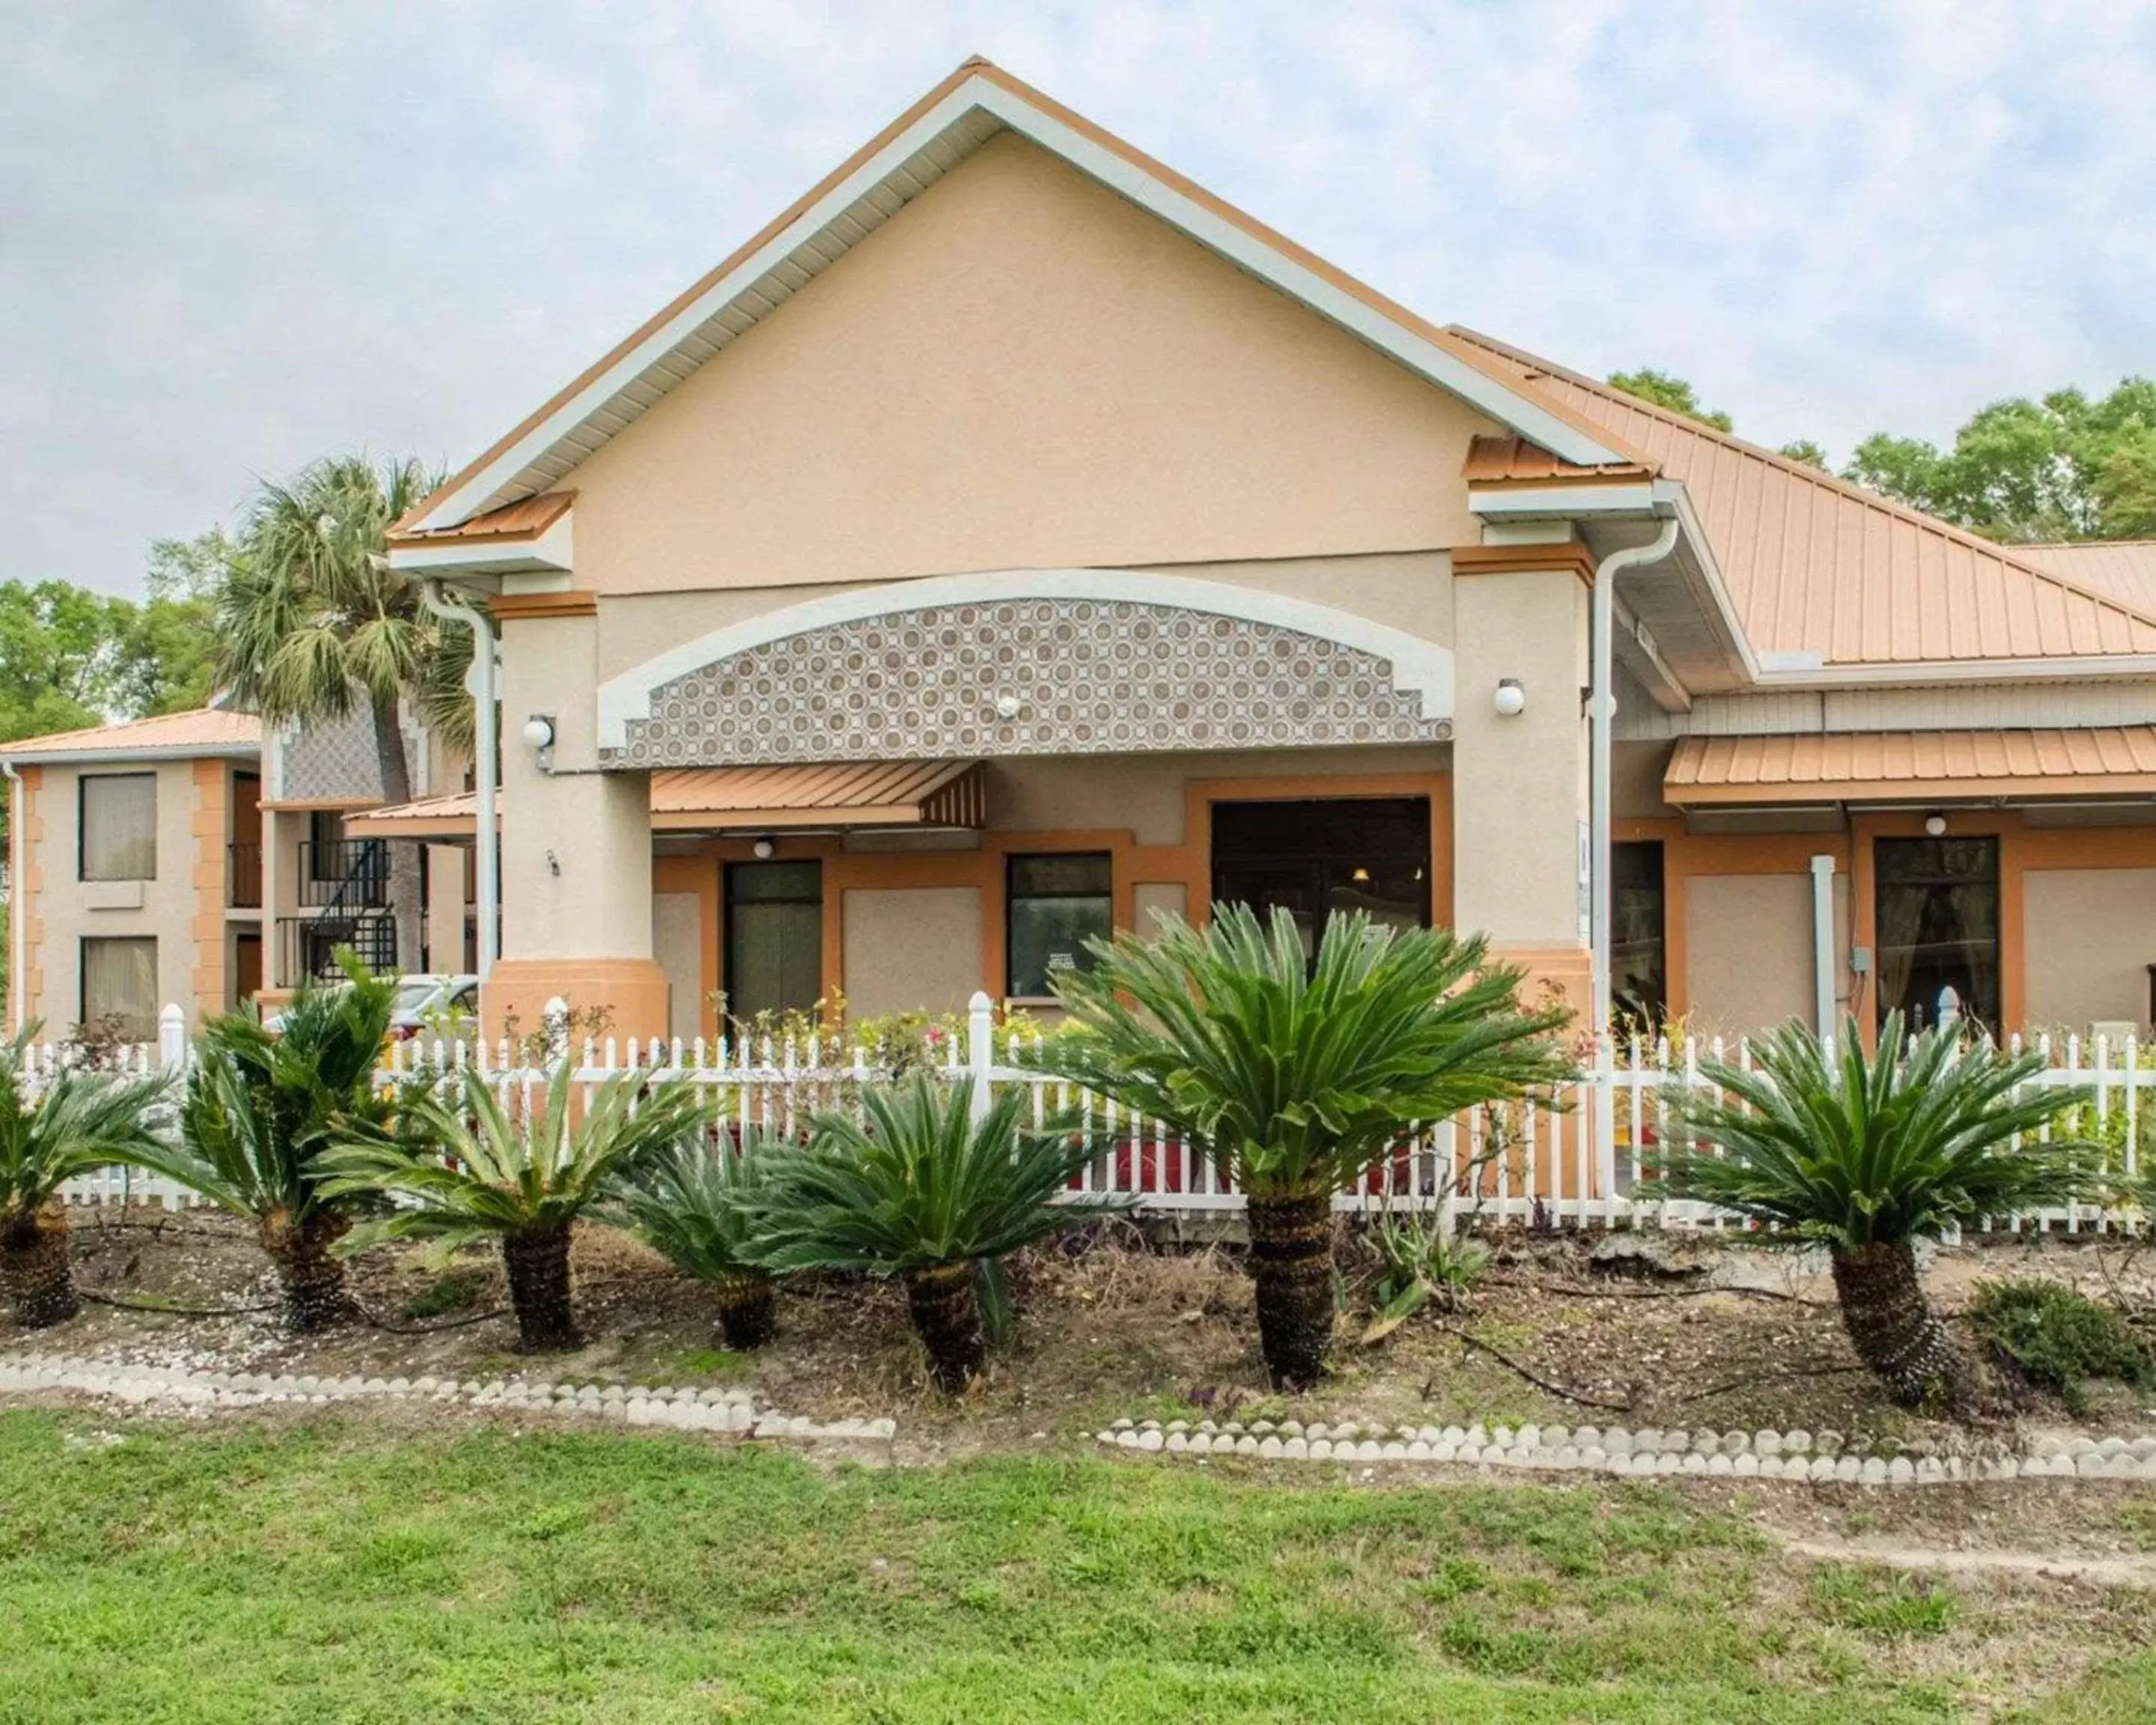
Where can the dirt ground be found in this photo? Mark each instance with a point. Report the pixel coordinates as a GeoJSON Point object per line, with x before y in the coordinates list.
{"type": "Point", "coordinates": [1111, 1325]}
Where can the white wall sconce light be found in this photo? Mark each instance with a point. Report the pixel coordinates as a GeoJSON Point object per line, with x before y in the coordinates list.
{"type": "Point", "coordinates": [538, 732]}
{"type": "Point", "coordinates": [1510, 699]}
{"type": "Point", "coordinates": [1935, 826]}
{"type": "Point", "coordinates": [763, 850]}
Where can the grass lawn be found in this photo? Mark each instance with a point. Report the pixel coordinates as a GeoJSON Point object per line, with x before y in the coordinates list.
{"type": "Point", "coordinates": [330, 1570]}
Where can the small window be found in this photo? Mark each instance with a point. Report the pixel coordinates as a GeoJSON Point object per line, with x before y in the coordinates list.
{"type": "Point", "coordinates": [1638, 980]}
{"type": "Point", "coordinates": [120, 983]}
{"type": "Point", "coordinates": [119, 827]}
{"type": "Point", "coordinates": [1056, 904]}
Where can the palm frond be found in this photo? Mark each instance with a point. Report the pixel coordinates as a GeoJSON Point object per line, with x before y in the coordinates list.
{"type": "Point", "coordinates": [918, 1181]}
{"type": "Point", "coordinates": [695, 1202]}
{"type": "Point", "coordinates": [1295, 1078]}
{"type": "Point", "coordinates": [78, 1122]}
{"type": "Point", "coordinates": [1882, 1148]}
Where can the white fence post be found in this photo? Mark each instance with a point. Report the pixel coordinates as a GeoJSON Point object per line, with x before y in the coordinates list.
{"type": "Point", "coordinates": [172, 1038]}
{"type": "Point", "coordinates": [980, 1048]}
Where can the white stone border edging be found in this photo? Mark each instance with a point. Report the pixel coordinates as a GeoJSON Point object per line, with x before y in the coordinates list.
{"type": "Point", "coordinates": [1647, 1452]}
{"type": "Point", "coordinates": [719, 1411]}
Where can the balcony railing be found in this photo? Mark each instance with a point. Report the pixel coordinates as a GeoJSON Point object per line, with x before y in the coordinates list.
{"type": "Point", "coordinates": [243, 875]}
{"type": "Point", "coordinates": [351, 873]}
{"type": "Point", "coordinates": [307, 946]}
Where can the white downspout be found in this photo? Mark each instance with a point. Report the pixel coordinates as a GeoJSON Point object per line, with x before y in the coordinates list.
{"type": "Point", "coordinates": [485, 835]}
{"type": "Point", "coordinates": [1823, 966]}
{"type": "Point", "coordinates": [19, 848]}
{"type": "Point", "coordinates": [1601, 709]}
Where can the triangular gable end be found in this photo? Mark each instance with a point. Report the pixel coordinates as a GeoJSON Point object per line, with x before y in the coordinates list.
{"type": "Point", "coordinates": [973, 105]}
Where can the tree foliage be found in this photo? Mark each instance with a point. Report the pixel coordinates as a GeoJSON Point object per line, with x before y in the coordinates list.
{"type": "Point", "coordinates": [1665, 389]}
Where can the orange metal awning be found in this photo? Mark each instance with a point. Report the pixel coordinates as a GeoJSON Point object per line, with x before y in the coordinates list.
{"type": "Point", "coordinates": [1900, 766]}
{"type": "Point", "coordinates": [720, 799]}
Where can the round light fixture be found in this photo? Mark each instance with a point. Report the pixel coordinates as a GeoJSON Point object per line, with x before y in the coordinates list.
{"type": "Point", "coordinates": [764, 850]}
{"type": "Point", "coordinates": [538, 731]}
{"type": "Point", "coordinates": [1008, 706]}
{"type": "Point", "coordinates": [1510, 699]}
{"type": "Point", "coordinates": [1935, 826]}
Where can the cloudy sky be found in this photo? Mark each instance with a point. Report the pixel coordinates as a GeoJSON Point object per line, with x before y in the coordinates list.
{"type": "Point", "coordinates": [236, 234]}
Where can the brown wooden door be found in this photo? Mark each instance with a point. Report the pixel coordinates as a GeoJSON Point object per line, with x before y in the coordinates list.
{"type": "Point", "coordinates": [246, 968]}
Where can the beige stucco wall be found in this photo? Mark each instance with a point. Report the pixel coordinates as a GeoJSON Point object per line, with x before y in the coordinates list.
{"type": "Point", "coordinates": [677, 940]}
{"type": "Point", "coordinates": [1408, 591]}
{"type": "Point", "coordinates": [911, 948]}
{"type": "Point", "coordinates": [168, 904]}
{"type": "Point", "coordinates": [1023, 369]}
{"type": "Point", "coordinates": [1151, 901]}
{"type": "Point", "coordinates": [2091, 935]}
{"type": "Point", "coordinates": [1749, 958]}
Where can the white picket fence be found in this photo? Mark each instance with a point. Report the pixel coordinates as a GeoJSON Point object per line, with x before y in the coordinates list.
{"type": "Point", "coordinates": [1535, 1163]}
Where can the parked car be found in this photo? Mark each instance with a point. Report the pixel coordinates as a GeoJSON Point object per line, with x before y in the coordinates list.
{"type": "Point", "coordinates": [419, 996]}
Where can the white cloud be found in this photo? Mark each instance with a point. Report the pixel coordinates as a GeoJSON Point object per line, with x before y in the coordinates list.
{"type": "Point", "coordinates": [236, 234]}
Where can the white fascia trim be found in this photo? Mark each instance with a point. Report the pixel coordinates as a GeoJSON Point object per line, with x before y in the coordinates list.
{"type": "Point", "coordinates": [1417, 664]}
{"type": "Point", "coordinates": [2093, 668]}
{"type": "Point", "coordinates": [120, 757]}
{"type": "Point", "coordinates": [1521, 413]}
{"type": "Point", "coordinates": [1551, 502]}
{"type": "Point", "coordinates": [554, 551]}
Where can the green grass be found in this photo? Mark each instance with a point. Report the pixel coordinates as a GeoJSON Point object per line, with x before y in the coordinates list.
{"type": "Point", "coordinates": [326, 1572]}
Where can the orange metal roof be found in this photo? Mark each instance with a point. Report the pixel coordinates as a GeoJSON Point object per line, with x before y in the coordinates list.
{"type": "Point", "coordinates": [527, 518]}
{"type": "Point", "coordinates": [207, 730]}
{"type": "Point", "coordinates": [1501, 460]}
{"type": "Point", "coordinates": [938, 794]}
{"type": "Point", "coordinates": [1843, 766]}
{"type": "Point", "coordinates": [1817, 565]}
{"type": "Point", "coordinates": [2124, 568]}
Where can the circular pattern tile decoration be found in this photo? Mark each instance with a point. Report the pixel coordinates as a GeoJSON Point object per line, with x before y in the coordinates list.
{"type": "Point", "coordinates": [1026, 676]}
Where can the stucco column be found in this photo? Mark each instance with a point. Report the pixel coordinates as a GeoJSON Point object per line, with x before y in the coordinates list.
{"type": "Point", "coordinates": [445, 907]}
{"type": "Point", "coordinates": [576, 848]}
{"type": "Point", "coordinates": [1520, 782]}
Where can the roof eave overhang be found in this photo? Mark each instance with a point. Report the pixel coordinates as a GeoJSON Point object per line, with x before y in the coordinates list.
{"type": "Point", "coordinates": [91, 757]}
{"type": "Point", "coordinates": [1780, 672]}
{"type": "Point", "coordinates": [550, 552]}
{"type": "Point", "coordinates": [963, 113]}
{"type": "Point", "coordinates": [1916, 793]}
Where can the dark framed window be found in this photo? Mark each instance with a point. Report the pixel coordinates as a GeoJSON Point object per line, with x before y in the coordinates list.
{"type": "Point", "coordinates": [116, 829]}
{"type": "Point", "coordinates": [1053, 905]}
{"type": "Point", "coordinates": [1638, 977]}
{"type": "Point", "coordinates": [774, 937]}
{"type": "Point", "coordinates": [325, 855]}
{"type": "Point", "coordinates": [1320, 856]}
{"type": "Point", "coordinates": [120, 982]}
{"type": "Point", "coordinates": [1936, 917]}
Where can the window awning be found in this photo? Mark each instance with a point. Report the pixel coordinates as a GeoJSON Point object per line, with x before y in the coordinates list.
{"type": "Point", "coordinates": [720, 799]}
{"type": "Point", "coordinates": [1907, 765]}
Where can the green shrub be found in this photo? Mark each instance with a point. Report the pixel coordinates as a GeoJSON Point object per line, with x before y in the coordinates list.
{"type": "Point", "coordinates": [2058, 1338]}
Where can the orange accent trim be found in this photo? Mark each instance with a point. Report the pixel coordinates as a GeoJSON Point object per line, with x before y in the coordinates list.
{"type": "Point", "coordinates": [1467, 352]}
{"type": "Point", "coordinates": [535, 606]}
{"type": "Point", "coordinates": [634, 990]}
{"type": "Point", "coordinates": [1520, 559]}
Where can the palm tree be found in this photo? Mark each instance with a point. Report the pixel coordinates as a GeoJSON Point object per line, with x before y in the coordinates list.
{"type": "Point", "coordinates": [311, 621]}
{"type": "Point", "coordinates": [80, 1121]}
{"type": "Point", "coordinates": [693, 1203]}
{"type": "Point", "coordinates": [919, 1189]}
{"type": "Point", "coordinates": [1869, 1153]}
{"type": "Point", "coordinates": [474, 1172]}
{"type": "Point", "coordinates": [256, 1115]}
{"type": "Point", "coordinates": [1296, 1078]}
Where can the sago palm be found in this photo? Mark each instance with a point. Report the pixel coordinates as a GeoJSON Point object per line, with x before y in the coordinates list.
{"type": "Point", "coordinates": [919, 1189]}
{"type": "Point", "coordinates": [692, 1202]}
{"type": "Point", "coordinates": [1294, 1078]}
{"type": "Point", "coordinates": [1869, 1153]}
{"type": "Point", "coordinates": [312, 623]}
{"type": "Point", "coordinates": [473, 1170]}
{"type": "Point", "coordinates": [80, 1121]}
{"type": "Point", "coordinates": [255, 1116]}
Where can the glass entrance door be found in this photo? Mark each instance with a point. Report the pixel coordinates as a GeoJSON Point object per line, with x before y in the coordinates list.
{"type": "Point", "coordinates": [1319, 856]}
{"type": "Point", "coordinates": [1938, 927]}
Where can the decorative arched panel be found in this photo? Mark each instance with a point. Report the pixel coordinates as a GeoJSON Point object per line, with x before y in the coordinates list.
{"type": "Point", "coordinates": [1107, 664]}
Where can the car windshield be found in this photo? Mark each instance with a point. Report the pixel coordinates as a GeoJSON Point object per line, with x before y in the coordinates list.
{"type": "Point", "coordinates": [413, 995]}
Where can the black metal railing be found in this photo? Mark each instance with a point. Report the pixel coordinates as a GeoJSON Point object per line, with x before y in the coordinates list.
{"type": "Point", "coordinates": [349, 875]}
{"type": "Point", "coordinates": [307, 946]}
{"type": "Point", "coordinates": [243, 875]}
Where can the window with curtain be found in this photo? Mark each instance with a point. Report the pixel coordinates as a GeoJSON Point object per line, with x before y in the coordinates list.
{"type": "Point", "coordinates": [774, 953]}
{"type": "Point", "coordinates": [1054, 904]}
{"type": "Point", "coordinates": [1937, 913]}
{"type": "Point", "coordinates": [120, 982]}
{"type": "Point", "coordinates": [1638, 984]}
{"type": "Point", "coordinates": [118, 832]}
